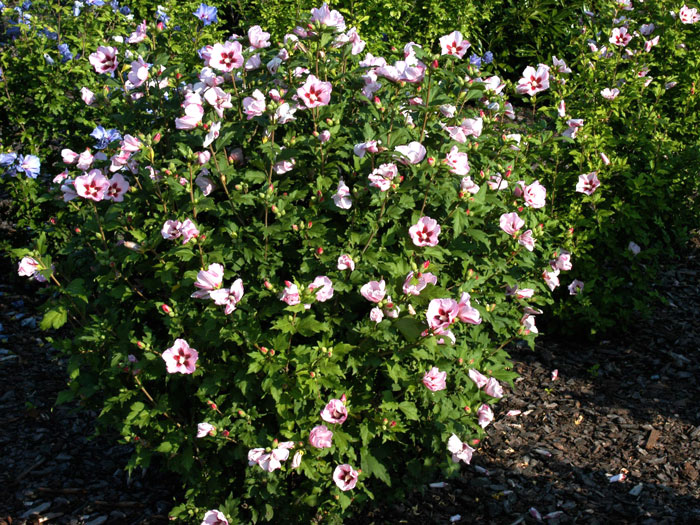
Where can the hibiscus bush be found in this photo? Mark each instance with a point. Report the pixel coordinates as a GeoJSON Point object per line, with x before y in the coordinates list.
{"type": "Point", "coordinates": [292, 269]}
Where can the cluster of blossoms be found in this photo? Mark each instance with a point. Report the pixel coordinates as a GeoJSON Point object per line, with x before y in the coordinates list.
{"type": "Point", "coordinates": [209, 283]}
{"type": "Point", "coordinates": [30, 267]}
{"type": "Point", "coordinates": [30, 165]}
{"type": "Point", "coordinates": [173, 229]}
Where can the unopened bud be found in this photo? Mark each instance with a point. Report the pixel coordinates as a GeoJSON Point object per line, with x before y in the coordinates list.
{"type": "Point", "coordinates": [435, 64]}
{"type": "Point", "coordinates": [225, 433]}
{"type": "Point", "coordinates": [431, 161]}
{"type": "Point", "coordinates": [392, 424]}
{"type": "Point", "coordinates": [312, 374]}
{"type": "Point", "coordinates": [272, 352]}
{"type": "Point", "coordinates": [263, 349]}
{"type": "Point", "coordinates": [166, 308]}
{"type": "Point", "coordinates": [343, 398]}
{"type": "Point", "coordinates": [268, 284]}
{"type": "Point", "coordinates": [140, 344]}
{"type": "Point", "coordinates": [319, 250]}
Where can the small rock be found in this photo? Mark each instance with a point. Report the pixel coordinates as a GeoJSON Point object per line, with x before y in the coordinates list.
{"type": "Point", "coordinates": [97, 521]}
{"type": "Point", "coordinates": [36, 510]}
{"type": "Point", "coordinates": [690, 471]}
{"type": "Point", "coordinates": [654, 436]}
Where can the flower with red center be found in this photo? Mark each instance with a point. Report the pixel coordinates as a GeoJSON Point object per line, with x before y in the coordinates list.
{"type": "Point", "coordinates": [587, 183]}
{"type": "Point", "coordinates": [208, 280]}
{"type": "Point", "coordinates": [226, 57]}
{"type": "Point", "coordinates": [414, 285]}
{"type": "Point", "coordinates": [323, 286]}
{"type": "Point", "coordinates": [214, 517]}
{"type": "Point", "coordinates": [620, 36]}
{"type": "Point", "coordinates": [425, 232]}
{"type": "Point", "coordinates": [382, 176]}
{"type": "Point", "coordinates": [441, 314]}
{"type": "Point", "coordinates": [334, 412]}
{"type": "Point", "coordinates": [533, 81]}
{"type": "Point", "coordinates": [92, 185]}
{"type": "Point", "coordinates": [180, 358]}
{"type": "Point", "coordinates": [485, 415]}
{"type": "Point", "coordinates": [457, 161]}
{"type": "Point", "coordinates": [315, 93]}
{"type": "Point", "coordinates": [320, 437]}
{"type": "Point", "coordinates": [511, 223]}
{"type": "Point", "coordinates": [118, 186]}
{"type": "Point", "coordinates": [228, 297]}
{"type": "Point", "coordinates": [345, 477]}
{"type": "Point", "coordinates": [454, 44]}
{"type": "Point", "coordinates": [460, 451]}
{"type": "Point", "coordinates": [104, 60]}
{"type": "Point", "coordinates": [374, 291]}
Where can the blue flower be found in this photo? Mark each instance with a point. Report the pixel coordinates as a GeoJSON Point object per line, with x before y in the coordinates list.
{"type": "Point", "coordinates": [7, 159]}
{"type": "Point", "coordinates": [29, 165]}
{"type": "Point", "coordinates": [475, 60]}
{"type": "Point", "coordinates": [488, 57]}
{"type": "Point", "coordinates": [66, 55]}
{"type": "Point", "coordinates": [96, 3]}
{"type": "Point", "coordinates": [2, 6]}
{"type": "Point", "coordinates": [49, 34]}
{"type": "Point", "coordinates": [104, 137]}
{"type": "Point", "coordinates": [206, 14]}
{"type": "Point", "coordinates": [26, 5]}
{"type": "Point", "coordinates": [125, 10]}
{"type": "Point", "coordinates": [162, 16]}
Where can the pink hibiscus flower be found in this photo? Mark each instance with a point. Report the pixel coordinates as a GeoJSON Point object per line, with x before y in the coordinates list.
{"type": "Point", "coordinates": [104, 60]}
{"type": "Point", "coordinates": [345, 477]}
{"type": "Point", "coordinates": [335, 412]}
{"type": "Point", "coordinates": [588, 183]}
{"type": "Point", "coordinates": [454, 44]}
{"type": "Point", "coordinates": [425, 232]}
{"type": "Point", "coordinates": [435, 380]}
{"type": "Point", "coordinates": [374, 291]}
{"type": "Point", "coordinates": [315, 93]}
{"type": "Point", "coordinates": [320, 437]}
{"type": "Point", "coordinates": [511, 223]}
{"type": "Point", "coordinates": [228, 297]}
{"type": "Point", "coordinates": [460, 451]}
{"type": "Point", "coordinates": [441, 314]}
{"type": "Point", "coordinates": [226, 57]}
{"type": "Point", "coordinates": [92, 185]}
{"type": "Point", "coordinates": [180, 358]}
{"type": "Point", "coordinates": [533, 81]}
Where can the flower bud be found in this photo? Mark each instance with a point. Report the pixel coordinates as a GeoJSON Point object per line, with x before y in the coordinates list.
{"type": "Point", "coordinates": [312, 374]}
{"type": "Point", "coordinates": [435, 64]}
{"type": "Point", "coordinates": [319, 250]}
{"type": "Point", "coordinates": [157, 137]}
{"type": "Point", "coordinates": [272, 352]}
{"type": "Point", "coordinates": [343, 398]}
{"type": "Point", "coordinates": [225, 433]}
{"type": "Point", "coordinates": [166, 309]}
{"type": "Point", "coordinates": [431, 161]}
{"type": "Point", "coordinates": [241, 413]}
{"type": "Point", "coordinates": [140, 344]}
{"type": "Point", "coordinates": [267, 284]}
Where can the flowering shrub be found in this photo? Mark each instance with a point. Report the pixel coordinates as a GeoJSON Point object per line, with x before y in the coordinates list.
{"type": "Point", "coordinates": [292, 268]}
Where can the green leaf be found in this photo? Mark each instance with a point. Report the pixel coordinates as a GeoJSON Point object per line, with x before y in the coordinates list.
{"type": "Point", "coordinates": [410, 328]}
{"type": "Point", "coordinates": [372, 466]}
{"type": "Point", "coordinates": [409, 409]}
{"type": "Point", "coordinates": [54, 318]}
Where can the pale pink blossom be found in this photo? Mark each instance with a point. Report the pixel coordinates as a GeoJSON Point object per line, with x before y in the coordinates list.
{"type": "Point", "coordinates": [574, 125]}
{"type": "Point", "coordinates": [104, 60]}
{"type": "Point", "coordinates": [85, 160]}
{"type": "Point", "coordinates": [320, 437]}
{"type": "Point", "coordinates": [527, 240]}
{"type": "Point", "coordinates": [620, 37]}
{"type": "Point", "coordinates": [220, 100]}
{"type": "Point", "coordinates": [454, 44]}
{"type": "Point", "coordinates": [364, 147]}
{"type": "Point", "coordinates": [131, 144]}
{"type": "Point", "coordinates": [341, 198]}
{"type": "Point", "coordinates": [467, 313]}
{"type": "Point", "coordinates": [87, 96]}
{"type": "Point", "coordinates": [204, 429]}
{"type": "Point", "coordinates": [254, 106]}
{"type": "Point", "coordinates": [345, 477]}
{"type": "Point", "coordinates": [315, 93]}
{"type": "Point", "coordinates": [560, 65]}
{"type": "Point", "coordinates": [117, 188]}
{"type": "Point", "coordinates": [511, 223]}
{"type": "Point", "coordinates": [93, 185]}
{"type": "Point", "coordinates": [480, 379]}
{"type": "Point", "coordinates": [425, 232]}
{"type": "Point", "coordinates": [647, 29]}
{"type": "Point", "coordinates": [383, 176]}
{"type": "Point", "coordinates": [528, 324]}
{"type": "Point", "coordinates": [562, 262]}
{"type": "Point", "coordinates": [208, 280]}
{"type": "Point", "coordinates": [212, 134]}
{"type": "Point", "coordinates": [494, 85]}
{"type": "Point", "coordinates": [327, 17]}
{"type": "Point", "coordinates": [688, 16]}
{"type": "Point", "coordinates": [258, 38]}
{"type": "Point", "coordinates": [290, 295]}
{"type": "Point", "coordinates": [575, 287]}
{"type": "Point", "coordinates": [372, 61]}
{"type": "Point", "coordinates": [374, 291]}
{"type": "Point", "coordinates": [587, 183]}
{"type": "Point", "coordinates": [253, 62]}
{"type": "Point", "coordinates": [194, 111]}
{"type": "Point", "coordinates": [180, 358]}
{"type": "Point", "coordinates": [457, 161]}
{"type": "Point", "coordinates": [324, 288]}
{"type": "Point", "coordinates": [651, 43]}
{"type": "Point", "coordinates": [296, 460]}
{"type": "Point", "coordinates": [188, 230]}
{"type": "Point", "coordinates": [435, 380]}
{"type": "Point", "coordinates": [551, 278]}
{"type": "Point", "coordinates": [28, 267]}
{"type": "Point", "coordinates": [469, 186]}
{"type": "Point", "coordinates": [610, 94]}
{"type": "Point", "coordinates": [284, 113]}
{"type": "Point", "coordinates": [226, 57]}
{"type": "Point", "coordinates": [561, 109]}
{"type": "Point", "coordinates": [414, 285]}
{"type": "Point", "coordinates": [412, 153]}
{"type": "Point", "coordinates": [270, 461]}
{"type": "Point", "coordinates": [284, 166]}
{"type": "Point", "coordinates": [69, 156]}
{"type": "Point", "coordinates": [335, 412]}
{"type": "Point", "coordinates": [171, 230]}
{"type": "Point", "coordinates": [535, 195]}
{"type": "Point", "coordinates": [345, 262]}
{"type": "Point", "coordinates": [376, 315]}
{"type": "Point", "coordinates": [209, 77]}
{"type": "Point", "coordinates": [460, 451]}
{"type": "Point", "coordinates": [497, 182]}
{"type": "Point", "coordinates": [214, 517]}
{"type": "Point", "coordinates": [485, 415]}
{"type": "Point", "coordinates": [441, 314]}
{"type": "Point", "coordinates": [139, 35]}
{"type": "Point", "coordinates": [533, 81]}
{"type": "Point", "coordinates": [493, 388]}
{"type": "Point", "coordinates": [139, 73]}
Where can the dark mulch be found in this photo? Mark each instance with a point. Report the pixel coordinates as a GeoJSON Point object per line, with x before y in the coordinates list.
{"type": "Point", "coordinates": [629, 405]}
